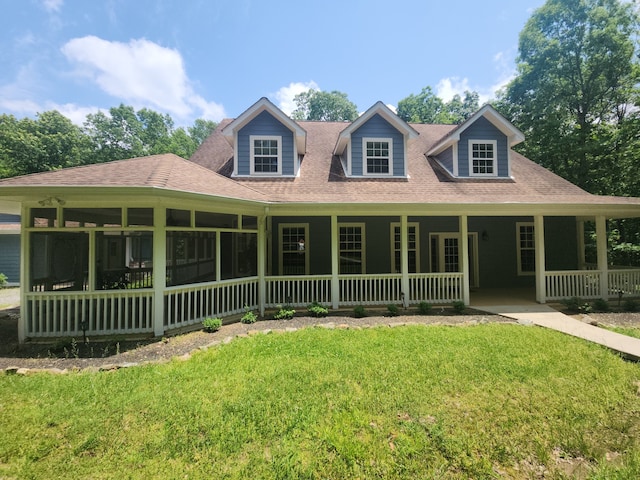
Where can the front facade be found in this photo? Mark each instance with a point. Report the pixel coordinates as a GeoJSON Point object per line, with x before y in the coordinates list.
{"type": "Point", "coordinates": [275, 212]}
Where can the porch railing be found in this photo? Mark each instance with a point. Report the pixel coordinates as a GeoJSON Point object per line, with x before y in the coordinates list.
{"type": "Point", "coordinates": [586, 284]}
{"type": "Point", "coordinates": [370, 289]}
{"type": "Point", "coordinates": [435, 287]}
{"type": "Point", "coordinates": [298, 290]}
{"type": "Point", "coordinates": [60, 314]}
{"type": "Point", "coordinates": [625, 282]}
{"type": "Point", "coordinates": [189, 304]}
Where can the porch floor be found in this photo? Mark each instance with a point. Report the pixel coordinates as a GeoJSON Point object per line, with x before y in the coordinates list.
{"type": "Point", "coordinates": [502, 296]}
{"type": "Point", "coordinates": [546, 316]}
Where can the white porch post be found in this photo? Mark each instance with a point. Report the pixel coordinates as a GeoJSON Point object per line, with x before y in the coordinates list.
{"type": "Point", "coordinates": [464, 258]}
{"type": "Point", "coordinates": [25, 279]}
{"type": "Point", "coordinates": [541, 286]}
{"type": "Point", "coordinates": [159, 268]}
{"type": "Point", "coordinates": [601, 242]}
{"type": "Point", "coordinates": [404, 260]}
{"type": "Point", "coordinates": [335, 264]}
{"type": "Point", "coordinates": [262, 263]}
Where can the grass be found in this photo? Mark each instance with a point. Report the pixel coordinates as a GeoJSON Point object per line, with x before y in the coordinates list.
{"type": "Point", "coordinates": [629, 331]}
{"type": "Point", "coordinates": [412, 402]}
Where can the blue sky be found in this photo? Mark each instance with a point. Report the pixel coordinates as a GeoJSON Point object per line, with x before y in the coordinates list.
{"type": "Point", "coordinates": [214, 58]}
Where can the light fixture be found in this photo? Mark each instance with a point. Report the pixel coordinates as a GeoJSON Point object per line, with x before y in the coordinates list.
{"type": "Point", "coordinates": [485, 235]}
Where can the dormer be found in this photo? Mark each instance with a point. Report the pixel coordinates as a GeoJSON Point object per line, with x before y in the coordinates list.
{"type": "Point", "coordinates": [375, 145]}
{"type": "Point", "coordinates": [266, 142]}
{"type": "Point", "coordinates": [480, 147]}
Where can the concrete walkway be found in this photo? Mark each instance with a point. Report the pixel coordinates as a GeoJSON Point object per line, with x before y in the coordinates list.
{"type": "Point", "coordinates": [545, 316]}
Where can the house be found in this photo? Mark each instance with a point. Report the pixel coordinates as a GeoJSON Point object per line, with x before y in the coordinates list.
{"type": "Point", "coordinates": [10, 248]}
{"type": "Point", "coordinates": [270, 211]}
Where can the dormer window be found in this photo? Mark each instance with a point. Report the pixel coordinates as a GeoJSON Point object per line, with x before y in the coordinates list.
{"type": "Point", "coordinates": [378, 156]}
{"type": "Point", "coordinates": [266, 155]}
{"type": "Point", "coordinates": [482, 158]}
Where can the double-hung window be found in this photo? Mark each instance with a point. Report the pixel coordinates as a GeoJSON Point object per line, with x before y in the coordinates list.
{"type": "Point", "coordinates": [266, 155]}
{"type": "Point", "coordinates": [352, 251]}
{"type": "Point", "coordinates": [413, 243]}
{"type": "Point", "coordinates": [526, 248]}
{"type": "Point", "coordinates": [294, 249]}
{"type": "Point", "coordinates": [482, 158]}
{"type": "Point", "coordinates": [377, 156]}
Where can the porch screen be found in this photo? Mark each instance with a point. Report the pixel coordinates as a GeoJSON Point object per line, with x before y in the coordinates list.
{"type": "Point", "coordinates": [59, 261]}
{"type": "Point", "coordinates": [191, 257]}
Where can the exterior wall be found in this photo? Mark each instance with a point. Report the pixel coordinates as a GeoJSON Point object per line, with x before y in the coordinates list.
{"type": "Point", "coordinates": [377, 127]}
{"type": "Point", "coordinates": [483, 129]}
{"type": "Point", "coordinates": [10, 257]}
{"type": "Point", "coordinates": [446, 159]}
{"type": "Point", "coordinates": [265, 124]}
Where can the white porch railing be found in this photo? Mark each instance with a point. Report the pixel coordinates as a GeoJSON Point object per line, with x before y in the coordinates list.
{"type": "Point", "coordinates": [62, 314]}
{"type": "Point", "coordinates": [370, 289]}
{"type": "Point", "coordinates": [572, 283]}
{"type": "Point", "coordinates": [625, 281]}
{"type": "Point", "coordinates": [298, 290]}
{"type": "Point", "coordinates": [435, 287]}
{"type": "Point", "coordinates": [189, 304]}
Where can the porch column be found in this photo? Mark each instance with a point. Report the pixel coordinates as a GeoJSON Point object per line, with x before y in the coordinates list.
{"type": "Point", "coordinates": [601, 243]}
{"type": "Point", "coordinates": [404, 260]}
{"type": "Point", "coordinates": [159, 268]}
{"type": "Point", "coordinates": [541, 285]}
{"type": "Point", "coordinates": [335, 264]}
{"type": "Point", "coordinates": [25, 278]}
{"type": "Point", "coordinates": [464, 258]}
{"type": "Point", "coordinates": [262, 263]}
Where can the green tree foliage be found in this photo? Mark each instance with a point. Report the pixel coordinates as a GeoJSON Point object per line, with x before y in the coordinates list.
{"type": "Point", "coordinates": [326, 106]}
{"type": "Point", "coordinates": [426, 107]}
{"type": "Point", "coordinates": [575, 93]}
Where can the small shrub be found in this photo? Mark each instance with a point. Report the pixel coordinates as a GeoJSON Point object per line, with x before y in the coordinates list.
{"type": "Point", "coordinates": [630, 305]}
{"type": "Point", "coordinates": [284, 313]}
{"type": "Point", "coordinates": [317, 310]}
{"type": "Point", "coordinates": [424, 308]}
{"type": "Point", "coordinates": [601, 305]}
{"type": "Point", "coordinates": [359, 312]}
{"type": "Point", "coordinates": [576, 305]}
{"type": "Point", "coordinates": [3, 280]}
{"type": "Point", "coordinates": [249, 316]}
{"type": "Point", "coordinates": [392, 310]}
{"type": "Point", "coordinates": [212, 324]}
{"type": "Point", "coordinates": [459, 306]}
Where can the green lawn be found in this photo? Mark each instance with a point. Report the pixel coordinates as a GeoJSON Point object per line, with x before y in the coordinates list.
{"type": "Point", "coordinates": [406, 402]}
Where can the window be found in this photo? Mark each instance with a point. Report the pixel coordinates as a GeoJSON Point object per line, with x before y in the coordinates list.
{"type": "Point", "coordinates": [526, 249]}
{"type": "Point", "coordinates": [351, 242]}
{"type": "Point", "coordinates": [266, 155]}
{"type": "Point", "coordinates": [294, 249]}
{"type": "Point", "coordinates": [482, 158]}
{"type": "Point", "coordinates": [413, 247]}
{"type": "Point", "coordinates": [378, 156]}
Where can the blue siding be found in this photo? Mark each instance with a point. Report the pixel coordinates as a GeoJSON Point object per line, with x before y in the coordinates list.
{"type": "Point", "coordinates": [446, 159]}
{"type": "Point", "coordinates": [10, 257]}
{"type": "Point", "coordinates": [483, 129]}
{"type": "Point", "coordinates": [377, 127]}
{"type": "Point", "coordinates": [265, 124]}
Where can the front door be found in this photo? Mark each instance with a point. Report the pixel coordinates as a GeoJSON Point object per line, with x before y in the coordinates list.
{"type": "Point", "coordinates": [445, 254]}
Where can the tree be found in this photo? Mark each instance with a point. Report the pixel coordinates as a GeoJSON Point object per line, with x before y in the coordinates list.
{"type": "Point", "coordinates": [325, 106]}
{"type": "Point", "coordinates": [426, 107]}
{"type": "Point", "coordinates": [576, 82]}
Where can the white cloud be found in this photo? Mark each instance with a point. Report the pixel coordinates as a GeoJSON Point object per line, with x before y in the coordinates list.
{"type": "Point", "coordinates": [284, 96]}
{"type": "Point", "coordinates": [52, 5]}
{"type": "Point", "coordinates": [140, 72]}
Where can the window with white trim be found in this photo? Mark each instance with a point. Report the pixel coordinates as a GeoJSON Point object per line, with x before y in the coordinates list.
{"type": "Point", "coordinates": [351, 247]}
{"type": "Point", "coordinates": [266, 155]}
{"type": "Point", "coordinates": [377, 156]}
{"type": "Point", "coordinates": [483, 158]}
{"type": "Point", "coordinates": [413, 247]}
{"type": "Point", "coordinates": [526, 248]}
{"type": "Point", "coordinates": [294, 249]}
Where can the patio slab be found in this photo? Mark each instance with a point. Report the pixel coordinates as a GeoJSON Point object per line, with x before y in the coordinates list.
{"type": "Point", "coordinates": [545, 316]}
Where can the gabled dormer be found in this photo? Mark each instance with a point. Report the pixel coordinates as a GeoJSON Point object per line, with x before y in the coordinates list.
{"type": "Point", "coordinates": [375, 145]}
{"type": "Point", "coordinates": [266, 142]}
{"type": "Point", "coordinates": [480, 147]}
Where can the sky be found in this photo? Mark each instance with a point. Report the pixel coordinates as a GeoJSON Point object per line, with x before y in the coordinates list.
{"type": "Point", "coordinates": [213, 59]}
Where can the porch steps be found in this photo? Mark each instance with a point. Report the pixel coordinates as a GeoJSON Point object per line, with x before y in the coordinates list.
{"type": "Point", "coordinates": [545, 316]}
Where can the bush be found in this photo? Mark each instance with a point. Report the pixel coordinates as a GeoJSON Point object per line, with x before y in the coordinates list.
{"type": "Point", "coordinates": [576, 305]}
{"type": "Point", "coordinates": [359, 312]}
{"type": "Point", "coordinates": [212, 324]}
{"type": "Point", "coordinates": [3, 280]}
{"type": "Point", "coordinates": [459, 306]}
{"type": "Point", "coordinates": [392, 310]}
{"type": "Point", "coordinates": [249, 316]}
{"type": "Point", "coordinates": [317, 310]}
{"type": "Point", "coordinates": [601, 305]}
{"type": "Point", "coordinates": [284, 313]}
{"type": "Point", "coordinates": [630, 305]}
{"type": "Point", "coordinates": [424, 308]}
